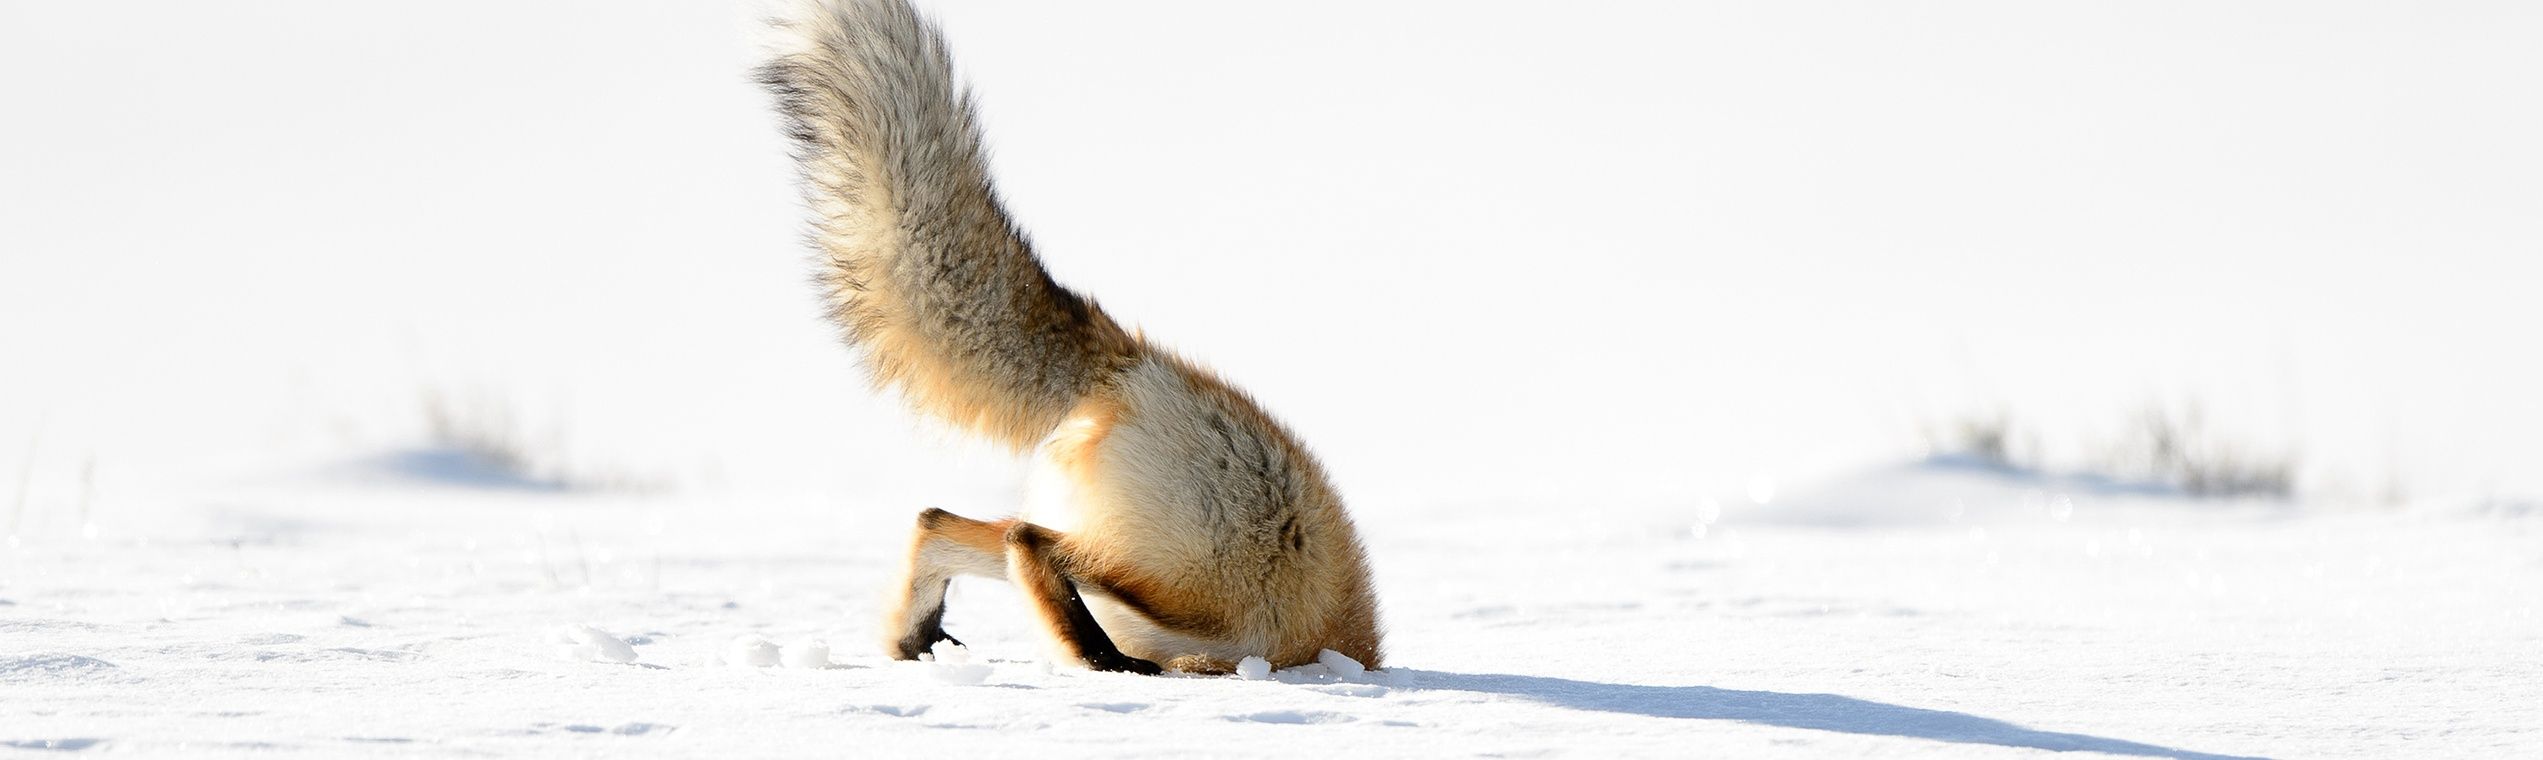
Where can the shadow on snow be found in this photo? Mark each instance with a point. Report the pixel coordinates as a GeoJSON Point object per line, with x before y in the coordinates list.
{"type": "Point", "coordinates": [451, 468]}
{"type": "Point", "coordinates": [1822, 712]}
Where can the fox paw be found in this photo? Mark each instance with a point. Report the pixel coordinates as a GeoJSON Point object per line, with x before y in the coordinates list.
{"type": "Point", "coordinates": [921, 642]}
{"type": "Point", "coordinates": [1117, 662]}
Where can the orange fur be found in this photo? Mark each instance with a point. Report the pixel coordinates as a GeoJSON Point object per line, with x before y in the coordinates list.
{"type": "Point", "coordinates": [1182, 524]}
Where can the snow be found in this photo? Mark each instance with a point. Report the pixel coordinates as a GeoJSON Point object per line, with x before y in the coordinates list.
{"type": "Point", "coordinates": [751, 652]}
{"type": "Point", "coordinates": [950, 663]}
{"type": "Point", "coordinates": [583, 642]}
{"type": "Point", "coordinates": [1340, 665]}
{"type": "Point", "coordinates": [1616, 326]}
{"type": "Point", "coordinates": [813, 654]}
{"type": "Point", "coordinates": [2139, 625]}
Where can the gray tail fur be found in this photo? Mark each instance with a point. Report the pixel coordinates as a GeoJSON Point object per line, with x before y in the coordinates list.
{"type": "Point", "coordinates": [918, 264]}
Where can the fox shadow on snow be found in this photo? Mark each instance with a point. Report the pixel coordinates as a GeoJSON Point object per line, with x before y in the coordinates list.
{"type": "Point", "coordinates": [1822, 712]}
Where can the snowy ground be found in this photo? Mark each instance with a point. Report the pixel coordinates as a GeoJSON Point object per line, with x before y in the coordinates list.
{"type": "Point", "coordinates": [1619, 326]}
{"type": "Point", "coordinates": [1974, 614]}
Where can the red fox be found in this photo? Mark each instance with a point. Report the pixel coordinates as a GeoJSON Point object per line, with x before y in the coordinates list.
{"type": "Point", "coordinates": [1182, 528]}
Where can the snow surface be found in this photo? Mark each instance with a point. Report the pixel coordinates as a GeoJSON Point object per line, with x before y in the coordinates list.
{"type": "Point", "coordinates": [813, 654]}
{"type": "Point", "coordinates": [751, 652]}
{"type": "Point", "coordinates": [351, 622]}
{"type": "Point", "coordinates": [440, 379]}
{"type": "Point", "coordinates": [588, 644]}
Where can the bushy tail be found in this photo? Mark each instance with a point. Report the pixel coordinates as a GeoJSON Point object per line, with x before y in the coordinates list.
{"type": "Point", "coordinates": [919, 265]}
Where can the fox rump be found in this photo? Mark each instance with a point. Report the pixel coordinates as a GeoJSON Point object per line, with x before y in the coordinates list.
{"type": "Point", "coordinates": [1175, 525]}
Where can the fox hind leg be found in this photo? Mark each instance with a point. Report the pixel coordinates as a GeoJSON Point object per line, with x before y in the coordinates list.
{"type": "Point", "coordinates": [1040, 563]}
{"type": "Point", "coordinates": [945, 545]}
{"type": "Point", "coordinates": [1035, 558]}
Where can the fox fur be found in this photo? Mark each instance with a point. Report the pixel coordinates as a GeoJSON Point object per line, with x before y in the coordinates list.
{"type": "Point", "coordinates": [1176, 526]}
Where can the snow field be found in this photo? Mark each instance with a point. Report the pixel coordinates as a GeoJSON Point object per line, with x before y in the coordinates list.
{"type": "Point", "coordinates": [342, 622]}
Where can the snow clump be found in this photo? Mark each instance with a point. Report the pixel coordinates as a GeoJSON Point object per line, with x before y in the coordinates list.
{"type": "Point", "coordinates": [1342, 665]}
{"type": "Point", "coordinates": [952, 664]}
{"type": "Point", "coordinates": [1253, 669]}
{"type": "Point", "coordinates": [751, 652]}
{"type": "Point", "coordinates": [810, 653]}
{"type": "Point", "coordinates": [583, 643]}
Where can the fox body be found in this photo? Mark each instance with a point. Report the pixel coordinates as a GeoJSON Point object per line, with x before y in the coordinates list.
{"type": "Point", "coordinates": [1175, 525]}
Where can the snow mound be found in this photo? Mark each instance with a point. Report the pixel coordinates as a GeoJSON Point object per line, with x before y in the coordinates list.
{"type": "Point", "coordinates": [1332, 672]}
{"type": "Point", "coordinates": [583, 643]}
{"type": "Point", "coordinates": [1958, 490]}
{"type": "Point", "coordinates": [1253, 669]}
{"type": "Point", "coordinates": [1342, 665]}
{"type": "Point", "coordinates": [749, 651]}
{"type": "Point", "coordinates": [811, 654]}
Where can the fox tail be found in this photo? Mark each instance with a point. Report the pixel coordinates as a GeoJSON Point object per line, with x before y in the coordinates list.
{"type": "Point", "coordinates": [918, 264]}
